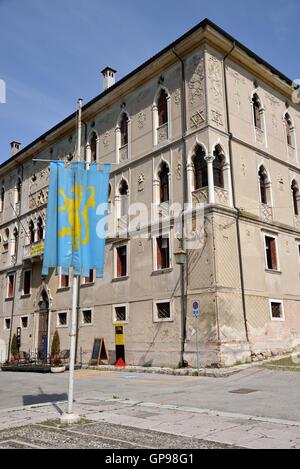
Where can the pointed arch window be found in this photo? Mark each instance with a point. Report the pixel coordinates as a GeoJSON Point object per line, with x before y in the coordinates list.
{"type": "Point", "coordinates": [289, 128]}
{"type": "Point", "coordinates": [257, 112]}
{"type": "Point", "coordinates": [123, 192]}
{"type": "Point", "coordinates": [40, 229]}
{"type": "Point", "coordinates": [218, 168]}
{"type": "Point", "coordinates": [15, 242]}
{"type": "Point", "coordinates": [296, 197]}
{"type": "Point", "coordinates": [164, 183]}
{"type": "Point", "coordinates": [93, 144]}
{"type": "Point", "coordinates": [31, 232]}
{"type": "Point", "coordinates": [6, 236]}
{"type": "Point", "coordinates": [2, 197]}
{"type": "Point", "coordinates": [162, 108]}
{"type": "Point", "coordinates": [18, 191]}
{"type": "Point", "coordinates": [263, 185]}
{"type": "Point", "coordinates": [124, 130]}
{"type": "Point", "coordinates": [200, 169]}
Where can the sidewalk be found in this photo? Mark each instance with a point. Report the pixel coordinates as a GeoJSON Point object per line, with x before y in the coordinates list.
{"type": "Point", "coordinates": [202, 424]}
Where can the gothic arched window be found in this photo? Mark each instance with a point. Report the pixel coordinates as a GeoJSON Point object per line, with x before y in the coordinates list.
{"type": "Point", "coordinates": [257, 112]}
{"type": "Point", "coordinates": [93, 144]}
{"type": "Point", "coordinates": [263, 185]}
{"type": "Point", "coordinates": [164, 183]}
{"type": "Point", "coordinates": [200, 169]}
{"type": "Point", "coordinates": [40, 229]}
{"type": "Point", "coordinates": [218, 168]}
{"type": "Point", "coordinates": [124, 130]}
{"type": "Point", "coordinates": [162, 106]}
{"type": "Point", "coordinates": [295, 192]}
{"type": "Point", "coordinates": [123, 191]}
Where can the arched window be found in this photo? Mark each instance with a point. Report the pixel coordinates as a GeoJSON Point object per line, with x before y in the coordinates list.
{"type": "Point", "coordinates": [200, 169]}
{"type": "Point", "coordinates": [296, 197]}
{"type": "Point", "coordinates": [263, 185]}
{"type": "Point", "coordinates": [124, 130]}
{"type": "Point", "coordinates": [257, 112]}
{"type": "Point", "coordinates": [164, 183]}
{"type": "Point", "coordinates": [109, 199]}
{"type": "Point", "coordinates": [218, 167]}
{"type": "Point", "coordinates": [18, 191]}
{"type": "Point", "coordinates": [289, 130]}
{"type": "Point", "coordinates": [2, 197]}
{"type": "Point", "coordinates": [31, 231]}
{"type": "Point", "coordinates": [15, 242]}
{"type": "Point", "coordinates": [93, 143]}
{"type": "Point", "coordinates": [162, 108]}
{"type": "Point", "coordinates": [6, 235]}
{"type": "Point", "coordinates": [40, 230]}
{"type": "Point", "coordinates": [123, 191]}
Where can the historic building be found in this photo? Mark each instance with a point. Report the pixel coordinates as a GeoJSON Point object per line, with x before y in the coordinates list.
{"type": "Point", "coordinates": [205, 121]}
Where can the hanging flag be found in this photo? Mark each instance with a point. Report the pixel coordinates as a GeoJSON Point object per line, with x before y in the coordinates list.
{"type": "Point", "coordinates": [77, 202]}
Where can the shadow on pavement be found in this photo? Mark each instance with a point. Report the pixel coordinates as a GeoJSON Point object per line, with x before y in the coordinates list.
{"type": "Point", "coordinates": [43, 398]}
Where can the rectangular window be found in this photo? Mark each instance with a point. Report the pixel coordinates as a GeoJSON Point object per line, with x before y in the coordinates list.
{"type": "Point", "coordinates": [277, 313]}
{"type": "Point", "coordinates": [271, 254]}
{"type": "Point", "coordinates": [7, 324]}
{"type": "Point", "coordinates": [162, 311]}
{"type": "Point", "coordinates": [120, 313]}
{"type": "Point", "coordinates": [24, 322]}
{"type": "Point", "coordinates": [64, 281]}
{"type": "Point", "coordinates": [27, 282]}
{"type": "Point", "coordinates": [163, 253]}
{"type": "Point", "coordinates": [90, 279]}
{"type": "Point", "coordinates": [121, 253]}
{"type": "Point", "coordinates": [87, 316]}
{"type": "Point", "coordinates": [10, 285]}
{"type": "Point", "coordinates": [62, 319]}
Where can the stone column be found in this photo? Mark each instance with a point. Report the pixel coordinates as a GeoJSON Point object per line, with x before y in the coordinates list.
{"type": "Point", "coordinates": [211, 186]}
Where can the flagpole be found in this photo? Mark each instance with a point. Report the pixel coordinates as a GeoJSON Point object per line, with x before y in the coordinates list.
{"type": "Point", "coordinates": [70, 417]}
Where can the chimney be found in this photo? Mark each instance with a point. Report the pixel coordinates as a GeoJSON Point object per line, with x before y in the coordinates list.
{"type": "Point", "coordinates": [15, 148]}
{"type": "Point", "coordinates": [109, 77]}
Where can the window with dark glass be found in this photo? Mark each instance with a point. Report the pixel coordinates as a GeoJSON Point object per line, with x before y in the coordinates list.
{"type": "Point", "coordinates": [7, 323]}
{"type": "Point", "coordinates": [295, 191]}
{"type": "Point", "coordinates": [121, 261]}
{"type": "Point", "coordinates": [200, 169]}
{"type": "Point", "coordinates": [271, 253]}
{"type": "Point", "coordinates": [62, 319]}
{"type": "Point", "coordinates": [123, 191]}
{"type": "Point", "coordinates": [263, 185]}
{"type": "Point", "coordinates": [90, 278]}
{"type": "Point", "coordinates": [40, 230]}
{"type": "Point", "coordinates": [2, 195]}
{"type": "Point", "coordinates": [24, 322]}
{"type": "Point", "coordinates": [163, 253]}
{"type": "Point", "coordinates": [31, 232]}
{"type": "Point", "coordinates": [257, 112]}
{"type": "Point", "coordinates": [15, 242]}
{"type": "Point", "coordinates": [288, 126]}
{"type": "Point", "coordinates": [162, 108]}
{"type": "Point", "coordinates": [94, 148]}
{"type": "Point", "coordinates": [120, 313]}
{"type": "Point", "coordinates": [164, 183]}
{"type": "Point", "coordinates": [276, 310]}
{"type": "Point", "coordinates": [19, 188]}
{"type": "Point", "coordinates": [27, 282]}
{"type": "Point", "coordinates": [124, 130]}
{"type": "Point", "coordinates": [87, 316]}
{"type": "Point", "coordinates": [163, 310]}
{"type": "Point", "coordinates": [218, 168]}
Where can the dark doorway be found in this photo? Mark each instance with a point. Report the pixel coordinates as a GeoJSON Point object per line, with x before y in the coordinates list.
{"type": "Point", "coordinates": [43, 327]}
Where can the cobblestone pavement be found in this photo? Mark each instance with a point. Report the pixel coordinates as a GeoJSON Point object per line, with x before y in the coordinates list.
{"type": "Point", "coordinates": [96, 436]}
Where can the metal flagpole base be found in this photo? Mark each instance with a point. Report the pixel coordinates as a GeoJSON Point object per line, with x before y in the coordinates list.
{"type": "Point", "coordinates": [69, 419]}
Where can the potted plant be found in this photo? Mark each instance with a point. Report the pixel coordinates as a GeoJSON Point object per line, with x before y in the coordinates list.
{"type": "Point", "coordinates": [14, 350]}
{"type": "Point", "coordinates": [56, 364]}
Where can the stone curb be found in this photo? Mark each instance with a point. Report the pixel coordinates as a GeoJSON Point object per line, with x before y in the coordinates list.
{"type": "Point", "coordinates": [204, 372]}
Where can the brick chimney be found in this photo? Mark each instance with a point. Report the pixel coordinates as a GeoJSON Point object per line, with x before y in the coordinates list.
{"type": "Point", "coordinates": [109, 77]}
{"type": "Point", "coordinates": [15, 148]}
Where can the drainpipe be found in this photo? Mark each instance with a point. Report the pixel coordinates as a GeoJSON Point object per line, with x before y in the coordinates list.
{"type": "Point", "coordinates": [183, 268]}
{"type": "Point", "coordinates": [241, 269]}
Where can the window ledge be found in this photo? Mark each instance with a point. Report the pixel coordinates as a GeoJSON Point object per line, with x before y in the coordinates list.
{"type": "Point", "coordinates": [87, 325]}
{"type": "Point", "coordinates": [120, 279]}
{"type": "Point", "coordinates": [274, 272]}
{"type": "Point", "coordinates": [25, 295]}
{"type": "Point", "coordinates": [62, 327]}
{"type": "Point", "coordinates": [9, 299]}
{"type": "Point", "coordinates": [63, 289]}
{"type": "Point", "coordinates": [87, 285]}
{"type": "Point", "coordinates": [156, 320]}
{"type": "Point", "coordinates": [162, 272]}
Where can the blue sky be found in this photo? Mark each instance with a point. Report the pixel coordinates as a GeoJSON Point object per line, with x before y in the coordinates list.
{"type": "Point", "coordinates": [52, 51]}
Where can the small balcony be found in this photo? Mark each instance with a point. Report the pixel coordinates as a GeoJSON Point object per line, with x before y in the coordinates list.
{"type": "Point", "coordinates": [34, 250]}
{"type": "Point", "coordinates": [200, 196]}
{"type": "Point", "coordinates": [266, 212]}
{"type": "Point", "coordinates": [260, 136]}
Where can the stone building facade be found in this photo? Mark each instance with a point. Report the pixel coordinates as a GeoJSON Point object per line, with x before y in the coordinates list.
{"type": "Point", "coordinates": [204, 122]}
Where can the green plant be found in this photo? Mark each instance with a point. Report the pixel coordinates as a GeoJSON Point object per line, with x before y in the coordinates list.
{"type": "Point", "coordinates": [55, 350]}
{"type": "Point", "coordinates": [14, 346]}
